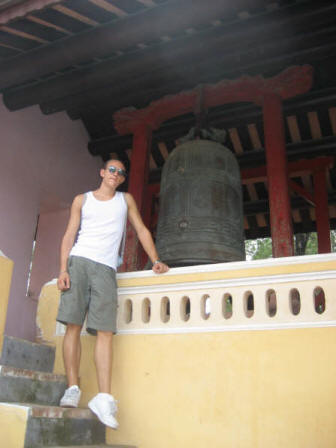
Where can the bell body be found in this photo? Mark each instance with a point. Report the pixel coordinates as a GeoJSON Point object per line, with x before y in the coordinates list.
{"type": "Point", "coordinates": [201, 214]}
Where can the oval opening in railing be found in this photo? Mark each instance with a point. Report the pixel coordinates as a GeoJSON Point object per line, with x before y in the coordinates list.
{"type": "Point", "coordinates": [248, 304]}
{"type": "Point", "coordinates": [165, 309]}
{"type": "Point", "coordinates": [271, 303]}
{"type": "Point", "coordinates": [146, 310]}
{"type": "Point", "coordinates": [185, 308]}
{"type": "Point", "coordinates": [294, 301]}
{"type": "Point", "coordinates": [205, 307]}
{"type": "Point", "coordinates": [319, 300]}
{"type": "Point", "coordinates": [227, 306]}
{"type": "Point", "coordinates": [128, 311]}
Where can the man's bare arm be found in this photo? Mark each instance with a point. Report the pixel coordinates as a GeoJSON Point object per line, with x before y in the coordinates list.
{"type": "Point", "coordinates": [68, 240]}
{"type": "Point", "coordinates": [144, 235]}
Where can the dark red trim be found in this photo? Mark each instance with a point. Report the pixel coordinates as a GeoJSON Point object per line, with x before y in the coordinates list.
{"type": "Point", "coordinates": [277, 177]}
{"type": "Point", "coordinates": [322, 211]}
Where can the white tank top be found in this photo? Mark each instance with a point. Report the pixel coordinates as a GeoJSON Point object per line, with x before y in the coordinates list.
{"type": "Point", "coordinates": [101, 229]}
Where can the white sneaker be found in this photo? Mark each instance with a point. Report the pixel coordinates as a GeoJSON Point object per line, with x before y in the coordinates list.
{"type": "Point", "coordinates": [71, 397]}
{"type": "Point", "coordinates": [105, 408]}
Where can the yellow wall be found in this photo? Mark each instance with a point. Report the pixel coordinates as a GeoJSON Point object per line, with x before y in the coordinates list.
{"type": "Point", "coordinates": [248, 389]}
{"type": "Point", "coordinates": [6, 270]}
{"type": "Point", "coordinates": [13, 422]}
{"type": "Point", "coordinates": [257, 389]}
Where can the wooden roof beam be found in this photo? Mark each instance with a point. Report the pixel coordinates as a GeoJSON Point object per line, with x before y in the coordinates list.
{"type": "Point", "coordinates": [22, 34]}
{"type": "Point", "coordinates": [261, 205]}
{"type": "Point", "coordinates": [104, 40]}
{"type": "Point", "coordinates": [228, 118]}
{"type": "Point", "coordinates": [113, 88]}
{"type": "Point", "coordinates": [109, 7]}
{"type": "Point", "coordinates": [24, 8]}
{"type": "Point", "coordinates": [295, 168]}
{"type": "Point", "coordinates": [47, 24]}
{"type": "Point", "coordinates": [105, 74]}
{"type": "Point", "coordinates": [75, 15]}
{"type": "Point", "coordinates": [293, 81]}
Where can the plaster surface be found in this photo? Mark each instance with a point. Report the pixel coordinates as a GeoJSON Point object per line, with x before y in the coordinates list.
{"type": "Point", "coordinates": [44, 164]}
{"type": "Point", "coordinates": [244, 389]}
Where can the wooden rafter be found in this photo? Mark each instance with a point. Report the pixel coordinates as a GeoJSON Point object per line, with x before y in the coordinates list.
{"type": "Point", "coordinates": [235, 139]}
{"type": "Point", "coordinates": [314, 124]}
{"type": "Point", "coordinates": [294, 130]}
{"type": "Point", "coordinates": [152, 163]}
{"type": "Point", "coordinates": [48, 24]}
{"type": "Point", "coordinates": [148, 3]}
{"type": "Point", "coordinates": [10, 47]}
{"type": "Point", "coordinates": [74, 15]}
{"type": "Point", "coordinates": [24, 8]}
{"type": "Point", "coordinates": [302, 192]}
{"type": "Point", "coordinates": [163, 150]}
{"type": "Point", "coordinates": [254, 136]}
{"type": "Point", "coordinates": [11, 30]}
{"type": "Point", "coordinates": [109, 7]}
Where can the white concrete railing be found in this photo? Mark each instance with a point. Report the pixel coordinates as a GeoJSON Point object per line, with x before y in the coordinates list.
{"type": "Point", "coordinates": [268, 294]}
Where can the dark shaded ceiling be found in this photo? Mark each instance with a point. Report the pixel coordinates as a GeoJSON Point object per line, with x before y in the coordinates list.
{"type": "Point", "coordinates": [91, 58]}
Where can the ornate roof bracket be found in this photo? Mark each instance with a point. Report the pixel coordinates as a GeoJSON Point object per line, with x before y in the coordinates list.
{"type": "Point", "coordinates": [293, 81]}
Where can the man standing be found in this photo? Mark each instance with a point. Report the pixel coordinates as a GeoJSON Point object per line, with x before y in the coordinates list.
{"type": "Point", "coordinates": [87, 280]}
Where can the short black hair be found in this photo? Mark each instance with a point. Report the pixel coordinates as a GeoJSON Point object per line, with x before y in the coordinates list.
{"type": "Point", "coordinates": [111, 160]}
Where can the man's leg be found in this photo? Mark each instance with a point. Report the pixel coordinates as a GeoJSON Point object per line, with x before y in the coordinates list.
{"type": "Point", "coordinates": [72, 353]}
{"type": "Point", "coordinates": [102, 316]}
{"type": "Point", "coordinates": [103, 360]}
{"type": "Point", "coordinates": [71, 357]}
{"type": "Point", "coordinates": [103, 404]}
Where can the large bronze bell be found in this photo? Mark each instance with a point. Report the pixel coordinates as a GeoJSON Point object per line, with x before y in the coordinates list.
{"type": "Point", "coordinates": [201, 214]}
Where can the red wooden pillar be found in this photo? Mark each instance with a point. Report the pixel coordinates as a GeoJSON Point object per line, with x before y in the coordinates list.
{"type": "Point", "coordinates": [322, 211]}
{"type": "Point", "coordinates": [138, 179]}
{"type": "Point", "coordinates": [146, 217]}
{"type": "Point", "coordinates": [277, 177]}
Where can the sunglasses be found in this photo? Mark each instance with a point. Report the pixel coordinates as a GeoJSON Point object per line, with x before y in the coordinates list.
{"type": "Point", "coordinates": [113, 169]}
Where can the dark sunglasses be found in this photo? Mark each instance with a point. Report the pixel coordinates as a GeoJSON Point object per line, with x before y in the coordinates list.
{"type": "Point", "coordinates": [113, 169]}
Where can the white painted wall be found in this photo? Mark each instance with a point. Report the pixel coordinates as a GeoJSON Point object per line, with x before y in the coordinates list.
{"type": "Point", "coordinates": [44, 163]}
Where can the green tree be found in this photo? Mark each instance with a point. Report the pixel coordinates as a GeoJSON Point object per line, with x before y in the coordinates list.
{"type": "Point", "coordinates": [304, 244]}
{"type": "Point", "coordinates": [258, 249]}
{"type": "Point", "coordinates": [333, 240]}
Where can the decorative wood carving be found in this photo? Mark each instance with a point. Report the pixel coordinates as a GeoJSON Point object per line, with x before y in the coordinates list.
{"type": "Point", "coordinates": [293, 81]}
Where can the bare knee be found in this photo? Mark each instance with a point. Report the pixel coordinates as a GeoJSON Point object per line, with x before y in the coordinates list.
{"type": "Point", "coordinates": [104, 336]}
{"type": "Point", "coordinates": [73, 330]}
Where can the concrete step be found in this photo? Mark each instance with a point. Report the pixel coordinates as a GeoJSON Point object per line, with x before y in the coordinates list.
{"type": "Point", "coordinates": [36, 426]}
{"type": "Point", "coordinates": [27, 355]}
{"type": "Point", "coordinates": [28, 386]}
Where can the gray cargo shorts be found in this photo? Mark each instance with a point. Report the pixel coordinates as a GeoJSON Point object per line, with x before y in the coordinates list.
{"type": "Point", "coordinates": [93, 292]}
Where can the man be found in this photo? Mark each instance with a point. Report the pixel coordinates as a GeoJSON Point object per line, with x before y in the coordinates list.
{"type": "Point", "coordinates": [88, 284]}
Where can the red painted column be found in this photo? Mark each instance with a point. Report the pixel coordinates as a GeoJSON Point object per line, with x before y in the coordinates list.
{"type": "Point", "coordinates": [138, 179]}
{"type": "Point", "coordinates": [146, 216]}
{"type": "Point", "coordinates": [322, 212]}
{"type": "Point", "coordinates": [277, 177]}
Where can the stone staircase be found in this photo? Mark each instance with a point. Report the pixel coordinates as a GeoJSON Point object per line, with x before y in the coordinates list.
{"type": "Point", "coordinates": [29, 395]}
